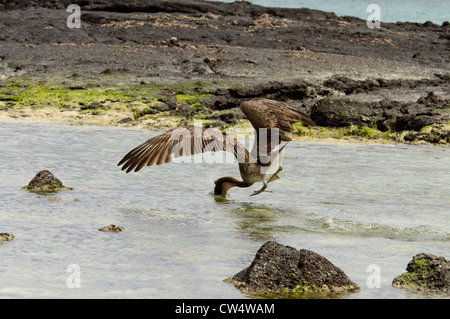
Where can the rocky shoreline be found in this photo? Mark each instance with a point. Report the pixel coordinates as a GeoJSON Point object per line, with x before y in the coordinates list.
{"type": "Point", "coordinates": [159, 64]}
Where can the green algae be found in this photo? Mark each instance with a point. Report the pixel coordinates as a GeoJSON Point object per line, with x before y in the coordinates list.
{"type": "Point", "coordinates": [47, 188]}
{"type": "Point", "coordinates": [425, 272]}
{"type": "Point", "coordinates": [304, 291]}
{"type": "Point", "coordinates": [140, 98]}
{"type": "Point", "coordinates": [145, 101]}
{"type": "Point", "coordinates": [352, 131]}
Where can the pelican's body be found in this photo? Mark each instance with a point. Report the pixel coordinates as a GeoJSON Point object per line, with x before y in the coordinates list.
{"type": "Point", "coordinates": [271, 120]}
{"type": "Point", "coordinates": [252, 173]}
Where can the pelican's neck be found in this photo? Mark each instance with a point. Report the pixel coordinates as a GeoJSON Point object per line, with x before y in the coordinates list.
{"type": "Point", "coordinates": [223, 184]}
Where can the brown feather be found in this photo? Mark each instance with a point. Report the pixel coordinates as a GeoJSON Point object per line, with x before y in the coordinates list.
{"type": "Point", "coordinates": [182, 141]}
{"type": "Point", "coordinates": [271, 115]}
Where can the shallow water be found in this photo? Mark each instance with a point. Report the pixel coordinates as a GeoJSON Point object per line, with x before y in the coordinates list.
{"type": "Point", "coordinates": [357, 205]}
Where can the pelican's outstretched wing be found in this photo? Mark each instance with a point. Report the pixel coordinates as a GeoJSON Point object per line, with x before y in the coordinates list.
{"type": "Point", "coordinates": [272, 117]}
{"type": "Point", "coordinates": [181, 141]}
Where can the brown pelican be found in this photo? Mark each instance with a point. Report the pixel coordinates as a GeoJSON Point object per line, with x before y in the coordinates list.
{"type": "Point", "coordinates": [271, 121]}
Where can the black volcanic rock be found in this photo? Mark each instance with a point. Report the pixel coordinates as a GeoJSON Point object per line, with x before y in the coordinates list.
{"type": "Point", "coordinates": [45, 181]}
{"type": "Point", "coordinates": [282, 269]}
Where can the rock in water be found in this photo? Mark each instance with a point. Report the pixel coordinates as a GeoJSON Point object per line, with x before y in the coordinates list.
{"type": "Point", "coordinates": [283, 269]}
{"type": "Point", "coordinates": [425, 272]}
{"type": "Point", "coordinates": [6, 236]}
{"type": "Point", "coordinates": [45, 178]}
{"type": "Point", "coordinates": [45, 181]}
{"type": "Point", "coordinates": [112, 228]}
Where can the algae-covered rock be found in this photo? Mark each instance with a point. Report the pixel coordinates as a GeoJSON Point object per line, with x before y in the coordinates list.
{"type": "Point", "coordinates": [45, 181]}
{"type": "Point", "coordinates": [282, 269]}
{"type": "Point", "coordinates": [112, 228]}
{"type": "Point", "coordinates": [385, 115]}
{"type": "Point", "coordinates": [425, 272]}
{"type": "Point", "coordinates": [6, 236]}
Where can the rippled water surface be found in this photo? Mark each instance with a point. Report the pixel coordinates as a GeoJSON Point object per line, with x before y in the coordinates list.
{"type": "Point", "coordinates": [357, 205]}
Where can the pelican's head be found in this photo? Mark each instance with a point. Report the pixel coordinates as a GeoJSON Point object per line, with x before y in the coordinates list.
{"type": "Point", "coordinates": [223, 184]}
